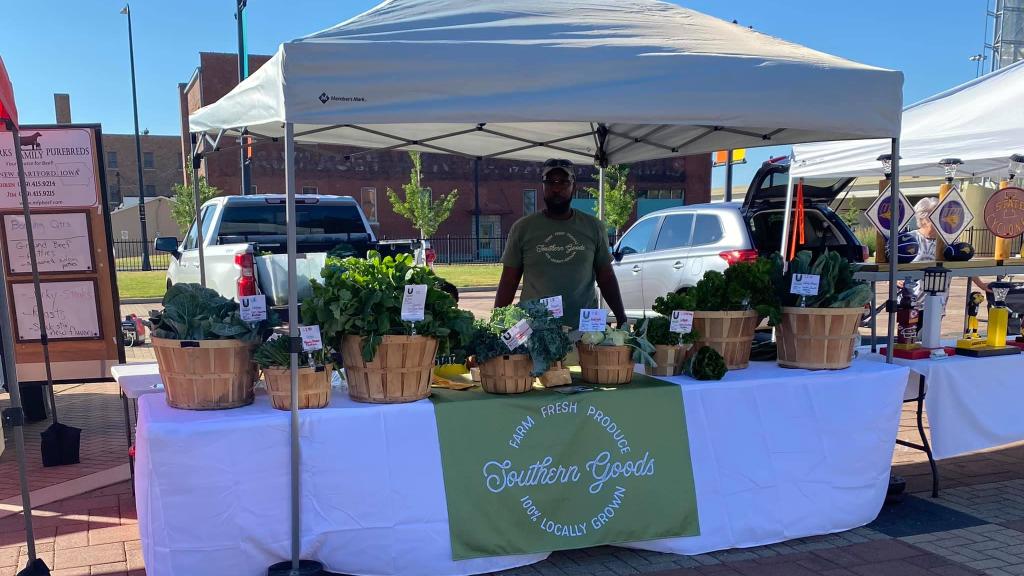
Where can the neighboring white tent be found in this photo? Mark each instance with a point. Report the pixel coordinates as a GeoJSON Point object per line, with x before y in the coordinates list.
{"type": "Point", "coordinates": [540, 76]}
{"type": "Point", "coordinates": [980, 122]}
{"type": "Point", "coordinates": [603, 81]}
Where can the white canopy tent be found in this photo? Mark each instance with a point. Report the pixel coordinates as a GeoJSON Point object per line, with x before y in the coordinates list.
{"type": "Point", "coordinates": [980, 122]}
{"type": "Point", "coordinates": [594, 81]}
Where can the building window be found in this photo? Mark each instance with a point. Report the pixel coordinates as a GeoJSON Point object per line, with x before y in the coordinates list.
{"type": "Point", "coordinates": [368, 201]}
{"type": "Point", "coordinates": [430, 193]}
{"type": "Point", "coordinates": [309, 190]}
{"type": "Point", "coordinates": [529, 201]}
{"type": "Point", "coordinates": [112, 160]}
{"type": "Point", "coordinates": [150, 190]}
{"type": "Point", "coordinates": [252, 189]}
{"type": "Point", "coordinates": [147, 160]}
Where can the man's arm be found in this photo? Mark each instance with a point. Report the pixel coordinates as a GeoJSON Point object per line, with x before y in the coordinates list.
{"type": "Point", "coordinates": [609, 286]}
{"type": "Point", "coordinates": [507, 286]}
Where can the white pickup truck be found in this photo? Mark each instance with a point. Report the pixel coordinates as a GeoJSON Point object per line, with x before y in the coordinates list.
{"type": "Point", "coordinates": [245, 243]}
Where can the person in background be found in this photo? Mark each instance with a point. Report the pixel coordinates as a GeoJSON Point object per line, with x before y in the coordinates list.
{"type": "Point", "coordinates": [925, 236]}
{"type": "Point", "coordinates": [560, 252]}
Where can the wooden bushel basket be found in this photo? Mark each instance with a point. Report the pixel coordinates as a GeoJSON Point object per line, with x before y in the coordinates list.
{"type": "Point", "coordinates": [730, 333]}
{"type": "Point", "coordinates": [400, 372]}
{"type": "Point", "coordinates": [314, 387]}
{"type": "Point", "coordinates": [507, 374]}
{"type": "Point", "coordinates": [817, 338]}
{"type": "Point", "coordinates": [606, 364]}
{"type": "Point", "coordinates": [206, 374]}
{"type": "Point", "coordinates": [669, 360]}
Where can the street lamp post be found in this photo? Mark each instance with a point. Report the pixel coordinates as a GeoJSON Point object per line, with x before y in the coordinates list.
{"type": "Point", "coordinates": [138, 146]}
{"type": "Point", "coordinates": [243, 73]}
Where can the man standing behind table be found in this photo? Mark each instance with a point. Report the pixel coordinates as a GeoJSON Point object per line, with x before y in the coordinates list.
{"type": "Point", "coordinates": [560, 252]}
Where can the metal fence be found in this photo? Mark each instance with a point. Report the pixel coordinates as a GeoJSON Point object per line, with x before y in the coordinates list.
{"type": "Point", "coordinates": [128, 256]}
{"type": "Point", "coordinates": [984, 242]}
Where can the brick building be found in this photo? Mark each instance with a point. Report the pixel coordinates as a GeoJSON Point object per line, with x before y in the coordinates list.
{"type": "Point", "coordinates": [508, 189]}
{"type": "Point", "coordinates": [161, 165]}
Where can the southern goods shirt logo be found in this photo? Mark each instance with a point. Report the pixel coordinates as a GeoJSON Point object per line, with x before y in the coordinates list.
{"type": "Point", "coordinates": [560, 247]}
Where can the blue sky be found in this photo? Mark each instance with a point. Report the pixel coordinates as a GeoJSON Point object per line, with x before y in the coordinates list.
{"type": "Point", "coordinates": [81, 47]}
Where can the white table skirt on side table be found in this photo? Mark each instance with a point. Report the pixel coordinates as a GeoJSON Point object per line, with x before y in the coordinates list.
{"type": "Point", "coordinates": [972, 403]}
{"type": "Point", "coordinates": [777, 454]}
{"type": "Point", "coordinates": [783, 453]}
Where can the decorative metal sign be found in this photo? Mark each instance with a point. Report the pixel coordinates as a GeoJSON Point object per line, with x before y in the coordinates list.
{"type": "Point", "coordinates": [952, 216]}
{"type": "Point", "coordinates": [1004, 213]}
{"type": "Point", "coordinates": [880, 212]}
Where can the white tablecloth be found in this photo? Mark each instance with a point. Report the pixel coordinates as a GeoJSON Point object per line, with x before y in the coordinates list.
{"type": "Point", "coordinates": [972, 403]}
{"type": "Point", "coordinates": [781, 453]}
{"type": "Point", "coordinates": [777, 454]}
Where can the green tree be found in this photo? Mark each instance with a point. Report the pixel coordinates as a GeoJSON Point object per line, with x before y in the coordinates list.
{"type": "Point", "coordinates": [183, 208]}
{"type": "Point", "coordinates": [418, 207]}
{"type": "Point", "coordinates": [619, 199]}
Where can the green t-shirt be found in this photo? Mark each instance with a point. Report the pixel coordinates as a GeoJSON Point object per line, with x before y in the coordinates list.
{"type": "Point", "coordinates": [559, 257]}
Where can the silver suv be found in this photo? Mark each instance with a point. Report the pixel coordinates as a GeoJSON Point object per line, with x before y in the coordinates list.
{"type": "Point", "coordinates": [670, 250]}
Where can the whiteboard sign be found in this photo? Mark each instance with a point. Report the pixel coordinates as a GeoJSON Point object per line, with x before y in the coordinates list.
{"type": "Point", "coordinates": [62, 243]}
{"type": "Point", "coordinates": [69, 309]}
{"type": "Point", "coordinates": [59, 168]}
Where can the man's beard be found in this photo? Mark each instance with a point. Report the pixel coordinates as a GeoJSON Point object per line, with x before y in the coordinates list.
{"type": "Point", "coordinates": [558, 206]}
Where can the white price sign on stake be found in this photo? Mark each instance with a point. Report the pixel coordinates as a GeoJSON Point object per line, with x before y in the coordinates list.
{"type": "Point", "coordinates": [413, 302]}
{"type": "Point", "coordinates": [517, 335]}
{"type": "Point", "coordinates": [311, 340]}
{"type": "Point", "coordinates": [682, 322]}
{"type": "Point", "coordinates": [593, 320]}
{"type": "Point", "coordinates": [805, 284]}
{"type": "Point", "coordinates": [554, 304]}
{"type": "Point", "coordinates": [253, 308]}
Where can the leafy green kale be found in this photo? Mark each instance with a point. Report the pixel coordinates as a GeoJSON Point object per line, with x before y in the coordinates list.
{"type": "Point", "coordinates": [192, 312]}
{"type": "Point", "coordinates": [363, 297]}
{"type": "Point", "coordinates": [548, 343]}
{"type": "Point", "coordinates": [743, 286]}
{"type": "Point", "coordinates": [706, 364]}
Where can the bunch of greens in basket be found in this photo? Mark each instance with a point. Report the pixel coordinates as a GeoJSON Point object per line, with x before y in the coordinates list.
{"type": "Point", "coordinates": [192, 312]}
{"type": "Point", "coordinates": [363, 297]}
{"type": "Point", "coordinates": [836, 285]}
{"type": "Point", "coordinates": [276, 353]}
{"type": "Point", "coordinates": [637, 340]}
{"type": "Point", "coordinates": [659, 332]}
{"type": "Point", "coordinates": [547, 344]}
{"type": "Point", "coordinates": [706, 364]}
{"type": "Point", "coordinates": [743, 286]}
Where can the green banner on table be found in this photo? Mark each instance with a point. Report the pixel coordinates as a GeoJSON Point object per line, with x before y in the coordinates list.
{"type": "Point", "coordinates": [547, 471]}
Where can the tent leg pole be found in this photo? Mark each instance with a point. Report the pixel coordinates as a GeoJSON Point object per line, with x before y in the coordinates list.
{"type": "Point", "coordinates": [897, 202]}
{"type": "Point", "coordinates": [600, 194]}
{"type": "Point", "coordinates": [30, 239]}
{"type": "Point", "coordinates": [14, 415]}
{"type": "Point", "coordinates": [787, 217]}
{"type": "Point", "coordinates": [197, 160]}
{"type": "Point", "coordinates": [293, 331]}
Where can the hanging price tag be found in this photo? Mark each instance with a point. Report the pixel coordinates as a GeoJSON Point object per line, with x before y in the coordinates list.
{"type": "Point", "coordinates": [805, 284]}
{"type": "Point", "coordinates": [554, 304]}
{"type": "Point", "coordinates": [517, 335]}
{"type": "Point", "coordinates": [311, 338]}
{"type": "Point", "coordinates": [682, 322]}
{"type": "Point", "coordinates": [593, 320]}
{"type": "Point", "coordinates": [253, 308]}
{"type": "Point", "coordinates": [413, 302]}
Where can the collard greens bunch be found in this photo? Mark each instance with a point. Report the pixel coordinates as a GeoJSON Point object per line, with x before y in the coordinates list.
{"type": "Point", "coordinates": [192, 312]}
{"type": "Point", "coordinates": [547, 344]}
